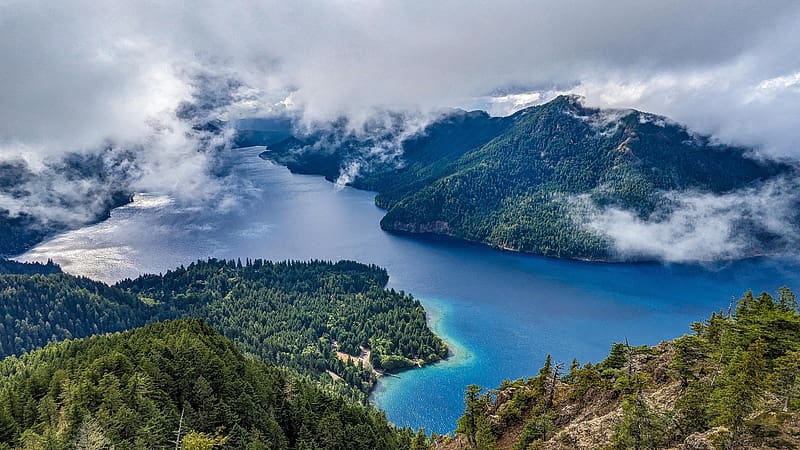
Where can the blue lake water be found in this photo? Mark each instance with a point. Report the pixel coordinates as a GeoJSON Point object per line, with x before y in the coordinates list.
{"type": "Point", "coordinates": [500, 312]}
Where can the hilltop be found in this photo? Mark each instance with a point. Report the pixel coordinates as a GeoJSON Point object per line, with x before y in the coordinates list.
{"type": "Point", "coordinates": [138, 388]}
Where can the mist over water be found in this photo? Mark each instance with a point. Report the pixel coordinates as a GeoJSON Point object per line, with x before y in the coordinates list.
{"type": "Point", "coordinates": [500, 312]}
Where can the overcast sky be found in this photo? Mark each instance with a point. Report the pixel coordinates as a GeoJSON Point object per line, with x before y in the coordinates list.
{"type": "Point", "coordinates": [87, 75]}
{"type": "Point", "coordinates": [77, 74]}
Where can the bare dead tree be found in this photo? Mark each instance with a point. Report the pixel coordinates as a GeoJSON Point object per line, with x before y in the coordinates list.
{"type": "Point", "coordinates": [177, 440]}
{"type": "Point", "coordinates": [630, 359]}
{"type": "Point", "coordinates": [556, 373]}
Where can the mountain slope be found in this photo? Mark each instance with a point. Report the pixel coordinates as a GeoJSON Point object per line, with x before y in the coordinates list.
{"type": "Point", "coordinates": [135, 389]}
{"type": "Point", "coordinates": [64, 195]}
{"type": "Point", "coordinates": [733, 383]}
{"type": "Point", "coordinates": [38, 309]}
{"type": "Point", "coordinates": [24, 268]}
{"type": "Point", "coordinates": [526, 182]}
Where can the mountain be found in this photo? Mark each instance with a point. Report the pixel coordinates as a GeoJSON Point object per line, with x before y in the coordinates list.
{"type": "Point", "coordinates": [47, 201]}
{"type": "Point", "coordinates": [331, 321]}
{"type": "Point", "coordinates": [734, 383]}
{"type": "Point", "coordinates": [39, 309]}
{"type": "Point", "coordinates": [526, 182]}
{"type": "Point", "coordinates": [138, 388]}
{"type": "Point", "coordinates": [261, 131]}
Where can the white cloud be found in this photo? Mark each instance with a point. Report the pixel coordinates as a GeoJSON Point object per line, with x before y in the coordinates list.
{"type": "Point", "coordinates": [703, 226]}
{"type": "Point", "coordinates": [80, 75]}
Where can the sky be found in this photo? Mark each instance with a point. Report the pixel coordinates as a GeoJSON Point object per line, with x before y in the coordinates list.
{"type": "Point", "coordinates": [85, 76]}
{"type": "Point", "coordinates": [77, 73]}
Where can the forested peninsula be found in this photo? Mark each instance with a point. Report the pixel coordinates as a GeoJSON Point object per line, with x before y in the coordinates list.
{"type": "Point", "coordinates": [319, 318]}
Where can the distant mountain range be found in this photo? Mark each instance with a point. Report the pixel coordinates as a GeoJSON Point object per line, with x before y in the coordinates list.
{"type": "Point", "coordinates": [527, 181]}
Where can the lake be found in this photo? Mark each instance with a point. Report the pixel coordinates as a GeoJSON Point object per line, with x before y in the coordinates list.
{"type": "Point", "coordinates": [501, 313]}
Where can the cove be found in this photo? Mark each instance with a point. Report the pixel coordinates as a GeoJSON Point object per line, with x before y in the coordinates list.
{"type": "Point", "coordinates": [500, 312]}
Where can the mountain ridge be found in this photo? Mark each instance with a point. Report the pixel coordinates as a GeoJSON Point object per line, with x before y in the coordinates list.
{"type": "Point", "coordinates": [517, 182]}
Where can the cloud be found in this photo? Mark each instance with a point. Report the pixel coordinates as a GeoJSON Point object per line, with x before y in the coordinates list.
{"type": "Point", "coordinates": [85, 76]}
{"type": "Point", "coordinates": [703, 226]}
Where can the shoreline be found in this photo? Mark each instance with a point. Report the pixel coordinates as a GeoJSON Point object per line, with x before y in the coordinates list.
{"type": "Point", "coordinates": [457, 353]}
{"type": "Point", "coordinates": [450, 238]}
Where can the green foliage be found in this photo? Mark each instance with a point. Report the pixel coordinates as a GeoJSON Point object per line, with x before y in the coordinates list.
{"type": "Point", "coordinates": [9, 267]}
{"type": "Point", "coordinates": [293, 314]}
{"type": "Point", "coordinates": [298, 314]}
{"type": "Point", "coordinates": [733, 363]}
{"type": "Point", "coordinates": [128, 390]}
{"type": "Point", "coordinates": [522, 182]}
{"type": "Point", "coordinates": [739, 372]}
{"type": "Point", "coordinates": [692, 407]}
{"type": "Point", "coordinates": [584, 381]}
{"type": "Point", "coordinates": [38, 309]}
{"type": "Point", "coordinates": [474, 424]}
{"type": "Point", "coordinates": [540, 427]}
{"type": "Point", "coordinates": [741, 387]}
{"type": "Point", "coordinates": [785, 379]}
{"type": "Point", "coordinates": [473, 410]}
{"type": "Point", "coordinates": [194, 440]}
{"type": "Point", "coordinates": [689, 352]}
{"type": "Point", "coordinates": [617, 358]}
{"type": "Point", "coordinates": [640, 428]}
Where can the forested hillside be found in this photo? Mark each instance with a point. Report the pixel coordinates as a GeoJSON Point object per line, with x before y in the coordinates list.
{"type": "Point", "coordinates": [523, 182]}
{"type": "Point", "coordinates": [733, 383]}
{"type": "Point", "coordinates": [24, 268]}
{"type": "Point", "coordinates": [39, 309]}
{"type": "Point", "coordinates": [303, 315]}
{"type": "Point", "coordinates": [299, 314]}
{"type": "Point", "coordinates": [136, 389]}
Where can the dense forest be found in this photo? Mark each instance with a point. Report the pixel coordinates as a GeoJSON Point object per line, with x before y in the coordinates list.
{"type": "Point", "coordinates": [733, 383]}
{"type": "Point", "coordinates": [39, 309]}
{"type": "Point", "coordinates": [513, 182]}
{"type": "Point", "coordinates": [25, 268]}
{"type": "Point", "coordinates": [304, 315]}
{"type": "Point", "coordinates": [300, 314]}
{"type": "Point", "coordinates": [176, 381]}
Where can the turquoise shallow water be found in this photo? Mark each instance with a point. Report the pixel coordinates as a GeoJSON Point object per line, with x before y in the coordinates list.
{"type": "Point", "coordinates": [569, 310]}
{"type": "Point", "coordinates": [501, 312]}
